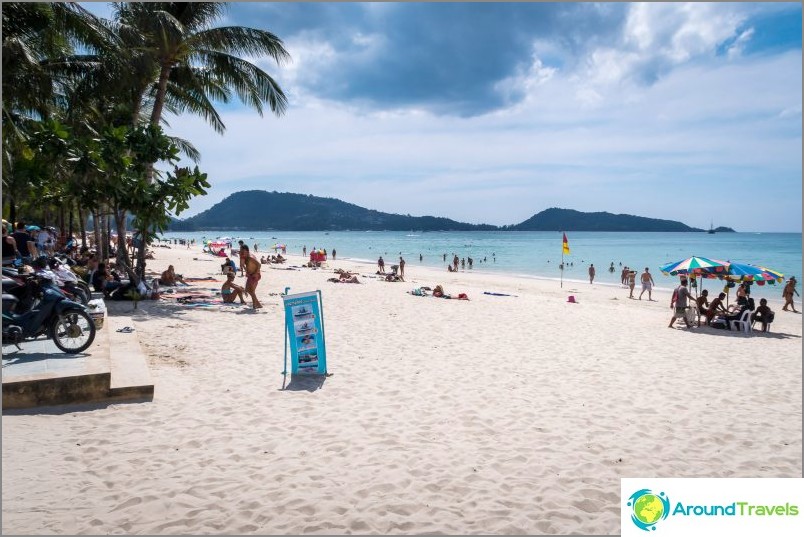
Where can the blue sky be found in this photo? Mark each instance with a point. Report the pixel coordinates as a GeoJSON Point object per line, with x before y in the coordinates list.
{"type": "Point", "coordinates": [493, 112]}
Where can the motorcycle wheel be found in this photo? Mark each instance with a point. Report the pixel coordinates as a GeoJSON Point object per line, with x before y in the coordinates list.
{"type": "Point", "coordinates": [72, 331]}
{"type": "Point", "coordinates": [82, 285]}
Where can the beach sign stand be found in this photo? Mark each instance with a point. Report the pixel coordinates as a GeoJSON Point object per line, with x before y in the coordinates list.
{"type": "Point", "coordinates": [304, 334]}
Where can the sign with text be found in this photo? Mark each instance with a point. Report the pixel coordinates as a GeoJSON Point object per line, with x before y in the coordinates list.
{"type": "Point", "coordinates": [305, 328]}
{"type": "Point", "coordinates": [692, 507]}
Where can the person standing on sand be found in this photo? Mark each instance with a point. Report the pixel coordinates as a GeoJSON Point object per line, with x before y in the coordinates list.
{"type": "Point", "coordinates": [401, 267]}
{"type": "Point", "coordinates": [631, 282]}
{"type": "Point", "coordinates": [591, 273]}
{"type": "Point", "coordinates": [381, 264]}
{"type": "Point", "coordinates": [682, 294]}
{"type": "Point", "coordinates": [647, 284]}
{"type": "Point", "coordinates": [253, 276]}
{"type": "Point", "coordinates": [455, 264]}
{"type": "Point", "coordinates": [304, 251]}
{"type": "Point", "coordinates": [787, 294]}
{"type": "Point", "coordinates": [333, 254]}
{"type": "Point", "coordinates": [241, 257]}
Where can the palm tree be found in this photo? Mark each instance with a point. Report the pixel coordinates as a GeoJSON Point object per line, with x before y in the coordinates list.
{"type": "Point", "coordinates": [39, 42]}
{"type": "Point", "coordinates": [195, 63]}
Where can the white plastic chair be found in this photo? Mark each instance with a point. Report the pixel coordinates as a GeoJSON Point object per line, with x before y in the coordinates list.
{"type": "Point", "coordinates": [743, 323]}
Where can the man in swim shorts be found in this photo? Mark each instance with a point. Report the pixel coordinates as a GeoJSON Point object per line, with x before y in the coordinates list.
{"type": "Point", "coordinates": [252, 267]}
{"type": "Point", "coordinates": [647, 284]}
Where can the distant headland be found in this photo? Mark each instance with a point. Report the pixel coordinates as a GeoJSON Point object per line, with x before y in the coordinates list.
{"type": "Point", "coordinates": [284, 211]}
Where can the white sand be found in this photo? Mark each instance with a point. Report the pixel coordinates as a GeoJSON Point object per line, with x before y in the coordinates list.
{"type": "Point", "coordinates": [494, 415]}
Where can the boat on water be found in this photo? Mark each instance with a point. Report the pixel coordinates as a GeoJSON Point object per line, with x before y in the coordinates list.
{"type": "Point", "coordinates": [711, 228]}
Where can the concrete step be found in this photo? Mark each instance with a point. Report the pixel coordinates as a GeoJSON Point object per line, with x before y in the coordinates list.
{"type": "Point", "coordinates": [130, 377]}
{"type": "Point", "coordinates": [39, 374]}
{"type": "Point", "coordinates": [113, 368]}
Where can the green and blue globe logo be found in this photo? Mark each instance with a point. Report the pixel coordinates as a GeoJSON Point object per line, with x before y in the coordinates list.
{"type": "Point", "coordinates": [648, 508]}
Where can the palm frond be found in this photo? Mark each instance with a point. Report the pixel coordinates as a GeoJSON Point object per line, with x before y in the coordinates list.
{"type": "Point", "coordinates": [252, 85]}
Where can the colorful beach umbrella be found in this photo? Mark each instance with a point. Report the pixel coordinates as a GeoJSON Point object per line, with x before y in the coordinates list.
{"type": "Point", "coordinates": [695, 265]}
{"type": "Point", "coordinates": [742, 272]}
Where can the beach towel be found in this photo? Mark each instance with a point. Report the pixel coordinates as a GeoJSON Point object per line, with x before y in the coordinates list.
{"type": "Point", "coordinates": [495, 294]}
{"type": "Point", "coordinates": [207, 279]}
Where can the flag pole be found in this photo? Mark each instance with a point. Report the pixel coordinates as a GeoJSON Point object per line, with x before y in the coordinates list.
{"type": "Point", "coordinates": [562, 260]}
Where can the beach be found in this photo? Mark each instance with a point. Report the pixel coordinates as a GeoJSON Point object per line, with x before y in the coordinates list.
{"type": "Point", "coordinates": [497, 415]}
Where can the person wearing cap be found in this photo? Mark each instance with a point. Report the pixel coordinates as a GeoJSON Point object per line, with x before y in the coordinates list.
{"type": "Point", "coordinates": [787, 294]}
{"type": "Point", "coordinates": [25, 243]}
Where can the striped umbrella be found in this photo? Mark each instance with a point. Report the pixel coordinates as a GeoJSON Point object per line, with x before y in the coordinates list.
{"type": "Point", "coordinates": [742, 272]}
{"type": "Point", "coordinates": [699, 266]}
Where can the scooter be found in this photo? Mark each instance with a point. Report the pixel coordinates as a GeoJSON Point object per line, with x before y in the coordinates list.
{"type": "Point", "coordinates": [66, 322]}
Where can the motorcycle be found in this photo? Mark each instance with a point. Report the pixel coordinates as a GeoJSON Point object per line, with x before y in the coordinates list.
{"type": "Point", "coordinates": [66, 322]}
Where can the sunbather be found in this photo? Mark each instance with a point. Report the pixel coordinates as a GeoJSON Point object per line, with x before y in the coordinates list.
{"type": "Point", "coordinates": [169, 277]}
{"type": "Point", "coordinates": [230, 290]}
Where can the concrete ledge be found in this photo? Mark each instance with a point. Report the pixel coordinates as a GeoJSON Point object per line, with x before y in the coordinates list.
{"type": "Point", "coordinates": [114, 368]}
{"type": "Point", "coordinates": [130, 377]}
{"type": "Point", "coordinates": [41, 375]}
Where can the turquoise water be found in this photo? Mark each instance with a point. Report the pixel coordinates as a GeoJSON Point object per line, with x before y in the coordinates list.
{"type": "Point", "coordinates": [538, 253]}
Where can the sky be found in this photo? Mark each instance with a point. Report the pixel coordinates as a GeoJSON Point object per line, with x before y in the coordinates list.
{"type": "Point", "coordinates": [492, 112]}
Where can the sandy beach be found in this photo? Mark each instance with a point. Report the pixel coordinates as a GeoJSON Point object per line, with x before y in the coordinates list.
{"type": "Point", "coordinates": [496, 415]}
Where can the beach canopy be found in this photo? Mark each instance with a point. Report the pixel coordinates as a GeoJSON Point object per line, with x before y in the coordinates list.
{"type": "Point", "coordinates": [698, 266]}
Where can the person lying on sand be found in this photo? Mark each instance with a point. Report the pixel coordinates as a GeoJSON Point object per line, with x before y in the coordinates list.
{"type": "Point", "coordinates": [351, 279]}
{"type": "Point", "coordinates": [230, 290]}
{"type": "Point", "coordinates": [438, 292]}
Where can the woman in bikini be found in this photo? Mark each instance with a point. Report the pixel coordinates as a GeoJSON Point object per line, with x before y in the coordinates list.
{"type": "Point", "coordinates": [230, 290]}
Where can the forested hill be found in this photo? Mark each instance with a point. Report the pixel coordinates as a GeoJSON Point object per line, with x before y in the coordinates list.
{"type": "Point", "coordinates": [283, 211]}
{"type": "Point", "coordinates": [569, 220]}
{"type": "Point", "coordinates": [261, 210]}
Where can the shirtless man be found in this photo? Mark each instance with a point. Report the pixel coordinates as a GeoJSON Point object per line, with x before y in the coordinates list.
{"type": "Point", "coordinates": [230, 290]}
{"type": "Point", "coordinates": [252, 267]}
{"type": "Point", "coordinates": [591, 273]}
{"type": "Point", "coordinates": [647, 284]}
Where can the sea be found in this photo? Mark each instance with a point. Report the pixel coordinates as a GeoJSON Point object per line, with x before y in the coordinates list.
{"type": "Point", "coordinates": [537, 254]}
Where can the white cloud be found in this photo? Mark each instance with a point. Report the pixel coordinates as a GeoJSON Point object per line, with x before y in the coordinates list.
{"type": "Point", "coordinates": [594, 138]}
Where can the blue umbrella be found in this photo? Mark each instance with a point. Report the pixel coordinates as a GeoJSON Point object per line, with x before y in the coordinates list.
{"type": "Point", "coordinates": [32, 228]}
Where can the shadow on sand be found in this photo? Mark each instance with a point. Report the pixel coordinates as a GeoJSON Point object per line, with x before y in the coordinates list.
{"type": "Point", "coordinates": [306, 382]}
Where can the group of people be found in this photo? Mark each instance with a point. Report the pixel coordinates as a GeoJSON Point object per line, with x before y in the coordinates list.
{"type": "Point", "coordinates": [717, 315]}
{"type": "Point", "coordinates": [250, 267]}
{"type": "Point", "coordinates": [26, 243]}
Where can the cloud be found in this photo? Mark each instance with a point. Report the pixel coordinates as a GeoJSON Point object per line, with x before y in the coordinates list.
{"type": "Point", "coordinates": [492, 112]}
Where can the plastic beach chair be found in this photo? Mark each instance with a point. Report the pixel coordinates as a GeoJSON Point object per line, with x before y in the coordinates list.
{"type": "Point", "coordinates": [743, 323]}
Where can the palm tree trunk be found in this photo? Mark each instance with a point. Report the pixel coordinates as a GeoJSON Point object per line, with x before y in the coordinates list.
{"type": "Point", "coordinates": [122, 252]}
{"type": "Point", "coordinates": [96, 232]}
{"type": "Point", "coordinates": [82, 226]}
{"type": "Point", "coordinates": [159, 99]}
